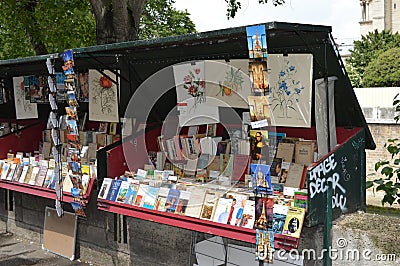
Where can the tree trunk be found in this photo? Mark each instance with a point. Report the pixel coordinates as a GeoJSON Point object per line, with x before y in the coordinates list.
{"type": "Point", "coordinates": [38, 46]}
{"type": "Point", "coordinates": [117, 20]}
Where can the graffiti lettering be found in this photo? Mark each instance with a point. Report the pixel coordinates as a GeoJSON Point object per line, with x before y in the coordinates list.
{"type": "Point", "coordinates": [345, 174]}
{"type": "Point", "coordinates": [323, 168]}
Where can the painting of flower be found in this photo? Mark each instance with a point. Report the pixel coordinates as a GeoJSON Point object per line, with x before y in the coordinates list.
{"type": "Point", "coordinates": [103, 102]}
{"type": "Point", "coordinates": [291, 89]}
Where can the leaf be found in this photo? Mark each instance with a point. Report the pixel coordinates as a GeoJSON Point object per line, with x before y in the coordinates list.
{"type": "Point", "coordinates": [378, 181]}
{"type": "Point", "coordinates": [369, 184]}
{"type": "Point", "coordinates": [396, 162]}
{"type": "Point", "coordinates": [387, 170]}
{"type": "Point", "coordinates": [389, 199]}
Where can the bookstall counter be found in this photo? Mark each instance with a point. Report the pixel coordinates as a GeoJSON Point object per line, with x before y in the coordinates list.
{"type": "Point", "coordinates": [44, 192]}
{"type": "Point", "coordinates": [185, 222]}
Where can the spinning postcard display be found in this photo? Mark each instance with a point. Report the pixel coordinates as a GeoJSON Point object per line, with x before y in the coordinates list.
{"type": "Point", "coordinates": [73, 160]}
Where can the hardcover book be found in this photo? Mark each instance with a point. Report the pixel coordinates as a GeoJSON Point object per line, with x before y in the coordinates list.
{"type": "Point", "coordinates": [172, 200]}
{"type": "Point", "coordinates": [222, 210]}
{"type": "Point", "coordinates": [195, 202]}
{"type": "Point", "coordinates": [149, 199]}
{"type": "Point", "coordinates": [29, 174]}
{"type": "Point", "coordinates": [5, 170]}
{"type": "Point", "coordinates": [11, 171]}
{"type": "Point", "coordinates": [304, 152]}
{"type": "Point", "coordinates": [294, 222]}
{"type": "Point", "coordinates": [18, 172]}
{"type": "Point", "coordinates": [105, 187]}
{"type": "Point", "coordinates": [41, 176]}
{"type": "Point", "coordinates": [285, 151]}
{"type": "Point", "coordinates": [296, 175]}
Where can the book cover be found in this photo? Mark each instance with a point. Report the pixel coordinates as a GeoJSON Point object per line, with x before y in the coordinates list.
{"type": "Point", "coordinates": [304, 152]}
{"type": "Point", "coordinates": [24, 173]}
{"type": "Point", "coordinates": [261, 179]}
{"type": "Point", "coordinates": [222, 210]}
{"type": "Point", "coordinates": [172, 200]}
{"type": "Point", "coordinates": [248, 216]}
{"type": "Point", "coordinates": [259, 145]}
{"type": "Point", "coordinates": [195, 202]}
{"type": "Point", "coordinates": [123, 190]}
{"type": "Point", "coordinates": [161, 199]}
{"type": "Point", "coordinates": [150, 198]}
{"type": "Point", "coordinates": [295, 175]}
{"type": "Point", "coordinates": [140, 195]}
{"type": "Point", "coordinates": [183, 202]}
{"type": "Point", "coordinates": [236, 211]}
{"type": "Point", "coordinates": [294, 222]}
{"type": "Point", "coordinates": [85, 182]}
{"type": "Point", "coordinates": [41, 176]}
{"type": "Point", "coordinates": [274, 138]}
{"type": "Point", "coordinates": [67, 183]}
{"type": "Point", "coordinates": [11, 171]}
{"type": "Point", "coordinates": [276, 168]}
{"type": "Point", "coordinates": [279, 218]}
{"type": "Point", "coordinates": [208, 209]}
{"type": "Point", "coordinates": [32, 175]}
{"type": "Point", "coordinates": [285, 151]}
{"type": "Point", "coordinates": [203, 161]}
{"type": "Point", "coordinates": [301, 199]}
{"type": "Point", "coordinates": [264, 212]}
{"type": "Point", "coordinates": [18, 172]}
{"type": "Point", "coordinates": [5, 170]}
{"type": "Point", "coordinates": [114, 188]}
{"type": "Point", "coordinates": [47, 179]}
{"type": "Point", "coordinates": [131, 193]}
{"type": "Point", "coordinates": [105, 187]}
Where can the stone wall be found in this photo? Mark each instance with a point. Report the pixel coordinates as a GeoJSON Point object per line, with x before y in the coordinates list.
{"type": "Point", "coordinates": [381, 133]}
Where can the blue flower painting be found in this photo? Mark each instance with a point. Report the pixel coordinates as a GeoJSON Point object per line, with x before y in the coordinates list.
{"type": "Point", "coordinates": [290, 89]}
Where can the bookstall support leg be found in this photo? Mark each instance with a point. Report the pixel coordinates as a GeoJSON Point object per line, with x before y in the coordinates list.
{"type": "Point", "coordinates": [328, 226]}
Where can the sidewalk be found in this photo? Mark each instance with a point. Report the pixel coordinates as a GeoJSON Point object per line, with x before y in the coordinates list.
{"type": "Point", "coordinates": [15, 252]}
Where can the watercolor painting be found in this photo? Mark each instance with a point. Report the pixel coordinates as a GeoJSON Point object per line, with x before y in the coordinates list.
{"type": "Point", "coordinates": [24, 108]}
{"type": "Point", "coordinates": [103, 100]}
{"type": "Point", "coordinates": [290, 93]}
{"type": "Point", "coordinates": [228, 83]}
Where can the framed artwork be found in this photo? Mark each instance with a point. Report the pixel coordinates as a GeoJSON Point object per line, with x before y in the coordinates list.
{"type": "Point", "coordinates": [256, 41]}
{"type": "Point", "coordinates": [24, 108]}
{"type": "Point", "coordinates": [290, 93]}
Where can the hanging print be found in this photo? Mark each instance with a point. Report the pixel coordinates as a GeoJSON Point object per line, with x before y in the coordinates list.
{"type": "Point", "coordinates": [227, 83]}
{"type": "Point", "coordinates": [103, 100]}
{"type": "Point", "coordinates": [291, 89]}
{"type": "Point", "coordinates": [24, 108]}
{"type": "Point", "coordinates": [256, 41]}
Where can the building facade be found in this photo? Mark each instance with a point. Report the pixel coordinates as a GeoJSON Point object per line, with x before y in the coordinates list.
{"type": "Point", "coordinates": [379, 15]}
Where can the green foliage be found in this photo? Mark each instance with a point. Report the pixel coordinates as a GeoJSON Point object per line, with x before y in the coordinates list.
{"type": "Point", "coordinates": [366, 50]}
{"type": "Point", "coordinates": [384, 71]}
{"type": "Point", "coordinates": [390, 169]}
{"type": "Point", "coordinates": [234, 5]}
{"type": "Point", "coordinates": [57, 24]}
{"type": "Point", "coordinates": [161, 19]}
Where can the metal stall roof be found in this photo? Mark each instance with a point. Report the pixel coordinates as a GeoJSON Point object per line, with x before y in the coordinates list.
{"type": "Point", "coordinates": [137, 60]}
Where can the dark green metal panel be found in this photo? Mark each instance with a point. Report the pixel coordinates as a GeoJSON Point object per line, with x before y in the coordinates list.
{"type": "Point", "coordinates": [344, 169]}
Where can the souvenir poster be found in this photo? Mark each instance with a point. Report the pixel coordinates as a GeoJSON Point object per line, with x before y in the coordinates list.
{"type": "Point", "coordinates": [259, 145]}
{"type": "Point", "coordinates": [191, 97]}
{"type": "Point", "coordinates": [103, 100]}
{"type": "Point", "coordinates": [257, 41]}
{"type": "Point", "coordinates": [261, 179]}
{"type": "Point", "coordinates": [291, 89]}
{"type": "Point", "coordinates": [228, 83]}
{"type": "Point", "coordinates": [24, 108]}
{"type": "Point", "coordinates": [61, 91]}
{"type": "Point", "coordinates": [258, 73]}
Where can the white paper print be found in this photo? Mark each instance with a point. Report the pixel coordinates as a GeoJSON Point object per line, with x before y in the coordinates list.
{"type": "Point", "coordinates": [291, 89]}
{"type": "Point", "coordinates": [228, 82]}
{"type": "Point", "coordinates": [205, 114]}
{"type": "Point", "coordinates": [103, 97]}
{"type": "Point", "coordinates": [190, 84]}
{"type": "Point", "coordinates": [24, 109]}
